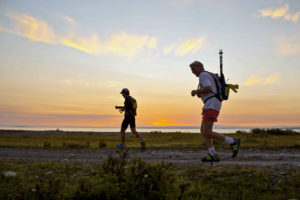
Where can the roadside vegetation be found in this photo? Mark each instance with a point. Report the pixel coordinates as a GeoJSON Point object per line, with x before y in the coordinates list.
{"type": "Point", "coordinates": [256, 138]}
{"type": "Point", "coordinates": [118, 178]}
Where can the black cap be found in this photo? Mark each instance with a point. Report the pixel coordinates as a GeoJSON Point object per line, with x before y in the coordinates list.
{"type": "Point", "coordinates": [124, 91]}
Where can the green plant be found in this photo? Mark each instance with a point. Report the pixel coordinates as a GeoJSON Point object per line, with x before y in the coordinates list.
{"type": "Point", "coordinates": [47, 144]}
{"type": "Point", "coordinates": [274, 131]}
{"type": "Point", "coordinates": [102, 144]}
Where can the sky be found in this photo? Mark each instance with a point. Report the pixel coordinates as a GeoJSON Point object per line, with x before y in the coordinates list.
{"type": "Point", "coordinates": [64, 63]}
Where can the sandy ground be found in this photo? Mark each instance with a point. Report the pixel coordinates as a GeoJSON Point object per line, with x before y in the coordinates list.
{"type": "Point", "coordinates": [246, 157]}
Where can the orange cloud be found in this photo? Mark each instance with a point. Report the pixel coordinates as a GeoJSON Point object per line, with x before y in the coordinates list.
{"type": "Point", "coordinates": [129, 45]}
{"type": "Point", "coordinates": [253, 80]}
{"type": "Point", "coordinates": [282, 12]}
{"type": "Point", "coordinates": [89, 45]}
{"type": "Point", "coordinates": [123, 44]}
{"type": "Point", "coordinates": [188, 46]}
{"type": "Point", "coordinates": [265, 80]}
{"type": "Point", "coordinates": [31, 28]}
{"type": "Point", "coordinates": [126, 45]}
{"type": "Point", "coordinates": [271, 79]}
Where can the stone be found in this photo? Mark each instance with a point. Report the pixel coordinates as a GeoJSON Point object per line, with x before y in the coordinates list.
{"type": "Point", "coordinates": [9, 174]}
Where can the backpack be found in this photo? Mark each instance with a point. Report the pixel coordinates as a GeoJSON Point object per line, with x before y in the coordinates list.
{"type": "Point", "coordinates": [222, 87]}
{"type": "Point", "coordinates": [134, 106]}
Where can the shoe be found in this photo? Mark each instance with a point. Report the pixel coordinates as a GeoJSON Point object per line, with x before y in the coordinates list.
{"type": "Point", "coordinates": [120, 146]}
{"type": "Point", "coordinates": [143, 144]}
{"type": "Point", "coordinates": [235, 147]}
{"type": "Point", "coordinates": [210, 158]}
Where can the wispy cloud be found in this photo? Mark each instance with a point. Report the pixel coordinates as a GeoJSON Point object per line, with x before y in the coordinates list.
{"type": "Point", "coordinates": [188, 46]}
{"type": "Point", "coordinates": [70, 20]}
{"type": "Point", "coordinates": [282, 12]}
{"type": "Point", "coordinates": [253, 80]}
{"type": "Point", "coordinates": [89, 44]}
{"type": "Point", "coordinates": [129, 45]}
{"type": "Point", "coordinates": [288, 46]}
{"type": "Point", "coordinates": [261, 80]}
{"type": "Point", "coordinates": [271, 79]}
{"type": "Point", "coordinates": [121, 44]}
{"type": "Point", "coordinates": [31, 28]}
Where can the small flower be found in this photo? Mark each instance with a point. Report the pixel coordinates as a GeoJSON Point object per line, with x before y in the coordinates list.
{"type": "Point", "coordinates": [146, 175]}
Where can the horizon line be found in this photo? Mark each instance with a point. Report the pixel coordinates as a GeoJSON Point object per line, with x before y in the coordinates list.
{"type": "Point", "coordinates": [167, 127]}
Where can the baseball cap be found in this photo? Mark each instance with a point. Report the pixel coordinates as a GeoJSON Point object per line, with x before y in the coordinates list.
{"type": "Point", "coordinates": [125, 90]}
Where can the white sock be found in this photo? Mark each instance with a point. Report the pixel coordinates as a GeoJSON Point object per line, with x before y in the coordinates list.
{"type": "Point", "coordinates": [212, 151]}
{"type": "Point", "coordinates": [229, 140]}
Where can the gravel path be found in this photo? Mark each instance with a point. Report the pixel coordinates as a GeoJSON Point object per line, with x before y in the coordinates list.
{"type": "Point", "coordinates": [283, 157]}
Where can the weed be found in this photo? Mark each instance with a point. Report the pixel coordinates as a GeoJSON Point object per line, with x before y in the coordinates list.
{"type": "Point", "coordinates": [275, 131]}
{"type": "Point", "coordinates": [102, 144]}
{"type": "Point", "coordinates": [117, 178]}
{"type": "Point", "coordinates": [47, 144]}
{"type": "Point", "coordinates": [76, 146]}
{"type": "Point", "coordinates": [255, 139]}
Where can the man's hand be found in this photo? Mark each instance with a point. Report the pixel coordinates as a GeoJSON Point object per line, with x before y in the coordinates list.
{"type": "Point", "coordinates": [120, 108]}
{"type": "Point", "coordinates": [194, 92]}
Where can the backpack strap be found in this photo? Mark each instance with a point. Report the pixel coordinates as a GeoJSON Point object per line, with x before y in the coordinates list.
{"type": "Point", "coordinates": [218, 94]}
{"type": "Point", "coordinates": [210, 98]}
{"type": "Point", "coordinates": [215, 95]}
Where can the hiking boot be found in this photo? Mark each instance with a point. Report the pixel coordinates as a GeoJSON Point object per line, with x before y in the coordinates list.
{"type": "Point", "coordinates": [235, 147]}
{"type": "Point", "coordinates": [210, 158]}
{"type": "Point", "coordinates": [120, 146]}
{"type": "Point", "coordinates": [143, 144]}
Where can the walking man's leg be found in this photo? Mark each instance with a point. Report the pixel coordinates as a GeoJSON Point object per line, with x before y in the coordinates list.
{"type": "Point", "coordinates": [209, 136]}
{"type": "Point", "coordinates": [206, 131]}
{"type": "Point", "coordinates": [123, 136]}
{"type": "Point", "coordinates": [133, 130]}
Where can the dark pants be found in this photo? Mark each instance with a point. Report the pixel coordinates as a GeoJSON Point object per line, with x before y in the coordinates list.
{"type": "Point", "coordinates": [128, 120]}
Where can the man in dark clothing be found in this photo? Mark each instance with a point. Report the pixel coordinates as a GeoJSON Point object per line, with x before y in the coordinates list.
{"type": "Point", "coordinates": [129, 107]}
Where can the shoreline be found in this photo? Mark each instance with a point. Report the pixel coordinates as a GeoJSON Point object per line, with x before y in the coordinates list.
{"type": "Point", "coordinates": [59, 132]}
{"type": "Point", "coordinates": [62, 132]}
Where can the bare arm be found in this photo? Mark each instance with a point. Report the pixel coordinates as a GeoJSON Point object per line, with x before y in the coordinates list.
{"type": "Point", "coordinates": [121, 108]}
{"type": "Point", "coordinates": [204, 90]}
{"type": "Point", "coordinates": [201, 91]}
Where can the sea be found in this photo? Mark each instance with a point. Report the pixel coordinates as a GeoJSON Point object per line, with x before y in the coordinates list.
{"type": "Point", "coordinates": [147, 129]}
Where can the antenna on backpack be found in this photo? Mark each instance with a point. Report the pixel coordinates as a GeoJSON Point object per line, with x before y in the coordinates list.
{"type": "Point", "coordinates": [221, 61]}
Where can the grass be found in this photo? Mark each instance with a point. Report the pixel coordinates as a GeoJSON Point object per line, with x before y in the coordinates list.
{"type": "Point", "coordinates": [256, 139]}
{"type": "Point", "coordinates": [116, 178]}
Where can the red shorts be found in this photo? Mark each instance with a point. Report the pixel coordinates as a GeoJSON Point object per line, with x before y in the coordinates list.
{"type": "Point", "coordinates": [210, 115]}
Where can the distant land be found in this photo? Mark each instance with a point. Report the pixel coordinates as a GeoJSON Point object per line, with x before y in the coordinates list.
{"type": "Point", "coordinates": [157, 127]}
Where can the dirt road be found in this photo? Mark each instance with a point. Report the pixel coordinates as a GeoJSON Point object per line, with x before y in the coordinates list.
{"type": "Point", "coordinates": [278, 158]}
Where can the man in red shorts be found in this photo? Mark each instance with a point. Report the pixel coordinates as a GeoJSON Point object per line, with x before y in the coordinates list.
{"type": "Point", "coordinates": [207, 91]}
